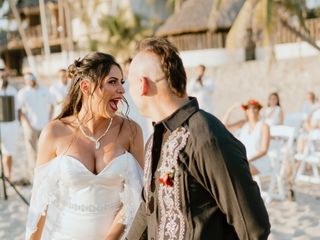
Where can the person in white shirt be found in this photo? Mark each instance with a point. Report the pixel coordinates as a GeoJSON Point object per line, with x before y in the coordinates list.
{"type": "Point", "coordinates": [273, 114]}
{"type": "Point", "coordinates": [59, 91]}
{"type": "Point", "coordinates": [310, 124]}
{"type": "Point", "coordinates": [202, 88]}
{"type": "Point", "coordinates": [9, 130]}
{"type": "Point", "coordinates": [35, 108]}
{"type": "Point", "coordinates": [310, 104]}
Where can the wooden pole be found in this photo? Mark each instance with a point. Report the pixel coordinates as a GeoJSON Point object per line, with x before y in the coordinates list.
{"type": "Point", "coordinates": [62, 26]}
{"type": "Point", "coordinates": [45, 35]}
{"type": "Point", "coordinates": [68, 25]}
{"type": "Point", "coordinates": [68, 33]}
{"type": "Point", "coordinates": [26, 46]}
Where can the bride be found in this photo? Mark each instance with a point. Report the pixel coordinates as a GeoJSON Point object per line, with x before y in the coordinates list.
{"type": "Point", "coordinates": [88, 177]}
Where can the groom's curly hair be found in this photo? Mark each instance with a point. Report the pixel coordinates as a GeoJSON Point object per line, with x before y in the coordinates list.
{"type": "Point", "coordinates": [170, 62]}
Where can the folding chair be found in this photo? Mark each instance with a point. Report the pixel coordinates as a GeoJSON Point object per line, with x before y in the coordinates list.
{"type": "Point", "coordinates": [295, 119]}
{"type": "Point", "coordinates": [310, 156]}
{"type": "Point", "coordinates": [280, 154]}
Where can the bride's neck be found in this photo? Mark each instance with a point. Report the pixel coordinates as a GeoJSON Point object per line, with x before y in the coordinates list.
{"type": "Point", "coordinates": [93, 123]}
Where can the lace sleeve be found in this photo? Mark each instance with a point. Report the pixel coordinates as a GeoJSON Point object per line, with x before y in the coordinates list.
{"type": "Point", "coordinates": [44, 192]}
{"type": "Point", "coordinates": [131, 195]}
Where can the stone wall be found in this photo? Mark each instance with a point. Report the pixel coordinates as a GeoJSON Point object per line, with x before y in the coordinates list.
{"type": "Point", "coordinates": [292, 79]}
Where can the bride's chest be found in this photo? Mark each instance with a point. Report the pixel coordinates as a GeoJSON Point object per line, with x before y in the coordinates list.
{"type": "Point", "coordinates": [75, 174]}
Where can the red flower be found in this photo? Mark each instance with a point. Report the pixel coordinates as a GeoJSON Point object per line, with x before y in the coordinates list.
{"type": "Point", "coordinates": [167, 179]}
{"type": "Point", "coordinates": [253, 103]}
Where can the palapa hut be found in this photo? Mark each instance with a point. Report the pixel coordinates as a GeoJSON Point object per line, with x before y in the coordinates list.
{"type": "Point", "coordinates": [198, 26]}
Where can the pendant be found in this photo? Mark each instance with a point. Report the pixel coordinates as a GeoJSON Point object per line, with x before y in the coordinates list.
{"type": "Point", "coordinates": [97, 145]}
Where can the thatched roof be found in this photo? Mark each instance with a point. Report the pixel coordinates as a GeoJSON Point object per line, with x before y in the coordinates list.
{"type": "Point", "coordinates": [199, 15]}
{"type": "Point", "coordinates": [225, 16]}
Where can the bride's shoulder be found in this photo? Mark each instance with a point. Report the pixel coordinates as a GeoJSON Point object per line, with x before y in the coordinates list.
{"type": "Point", "coordinates": [48, 142]}
{"type": "Point", "coordinates": [126, 122]}
{"type": "Point", "coordinates": [56, 128]}
{"type": "Point", "coordinates": [132, 136]}
{"type": "Point", "coordinates": [129, 128]}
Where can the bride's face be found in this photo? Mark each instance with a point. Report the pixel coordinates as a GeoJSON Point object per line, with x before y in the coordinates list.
{"type": "Point", "coordinates": [107, 97]}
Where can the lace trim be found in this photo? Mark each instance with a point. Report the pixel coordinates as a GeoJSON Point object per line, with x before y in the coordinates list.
{"type": "Point", "coordinates": [44, 193]}
{"type": "Point", "coordinates": [35, 218]}
{"type": "Point", "coordinates": [130, 196]}
{"type": "Point", "coordinates": [172, 224]}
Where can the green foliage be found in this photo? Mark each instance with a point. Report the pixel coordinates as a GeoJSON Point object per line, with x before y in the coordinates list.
{"type": "Point", "coordinates": [122, 31]}
{"type": "Point", "coordinates": [296, 8]}
{"type": "Point", "coordinates": [117, 33]}
{"type": "Point", "coordinates": [264, 17]}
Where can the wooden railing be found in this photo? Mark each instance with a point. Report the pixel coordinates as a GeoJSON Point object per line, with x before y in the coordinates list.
{"type": "Point", "coordinates": [34, 37]}
{"type": "Point", "coordinates": [202, 40]}
{"type": "Point", "coordinates": [205, 39]}
{"type": "Point", "coordinates": [284, 35]}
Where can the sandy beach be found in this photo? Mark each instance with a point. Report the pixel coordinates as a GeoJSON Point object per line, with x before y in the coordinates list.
{"type": "Point", "coordinates": [298, 220]}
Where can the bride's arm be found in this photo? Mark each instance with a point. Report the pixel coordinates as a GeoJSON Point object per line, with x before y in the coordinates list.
{"type": "Point", "coordinates": [37, 234]}
{"type": "Point", "coordinates": [136, 148]}
{"type": "Point", "coordinates": [117, 228]}
{"type": "Point", "coordinates": [46, 152]}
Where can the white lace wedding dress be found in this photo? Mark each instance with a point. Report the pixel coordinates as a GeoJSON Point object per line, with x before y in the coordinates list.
{"type": "Point", "coordinates": [81, 205]}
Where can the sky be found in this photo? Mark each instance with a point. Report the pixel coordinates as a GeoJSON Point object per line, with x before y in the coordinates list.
{"type": "Point", "coordinates": [313, 3]}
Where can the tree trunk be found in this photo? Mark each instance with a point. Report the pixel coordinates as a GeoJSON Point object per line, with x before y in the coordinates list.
{"type": "Point", "coordinates": [45, 35]}
{"type": "Point", "coordinates": [68, 25]}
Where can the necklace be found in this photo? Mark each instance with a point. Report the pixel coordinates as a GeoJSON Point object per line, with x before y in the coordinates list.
{"type": "Point", "coordinates": [96, 141]}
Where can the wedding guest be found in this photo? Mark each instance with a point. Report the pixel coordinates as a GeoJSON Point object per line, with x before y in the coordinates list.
{"type": "Point", "coordinates": [273, 113]}
{"type": "Point", "coordinates": [310, 104]}
{"type": "Point", "coordinates": [9, 130]}
{"type": "Point", "coordinates": [254, 134]}
{"type": "Point", "coordinates": [59, 91]}
{"type": "Point", "coordinates": [202, 87]}
{"type": "Point", "coordinates": [35, 108]}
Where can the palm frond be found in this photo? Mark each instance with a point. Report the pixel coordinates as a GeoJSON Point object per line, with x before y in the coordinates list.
{"type": "Point", "coordinates": [264, 17]}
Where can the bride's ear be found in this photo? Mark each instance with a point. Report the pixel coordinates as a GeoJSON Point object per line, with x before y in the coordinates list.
{"type": "Point", "coordinates": [144, 86]}
{"type": "Point", "coordinates": [85, 87]}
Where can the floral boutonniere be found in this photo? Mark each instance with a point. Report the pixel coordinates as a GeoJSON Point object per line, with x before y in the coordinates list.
{"type": "Point", "coordinates": [167, 177]}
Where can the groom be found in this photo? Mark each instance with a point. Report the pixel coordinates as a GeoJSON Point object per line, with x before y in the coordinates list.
{"type": "Point", "coordinates": [197, 182]}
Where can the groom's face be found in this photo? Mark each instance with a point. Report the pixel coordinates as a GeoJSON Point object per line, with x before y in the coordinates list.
{"type": "Point", "coordinates": [135, 82]}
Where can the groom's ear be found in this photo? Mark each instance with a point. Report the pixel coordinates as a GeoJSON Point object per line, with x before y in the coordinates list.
{"type": "Point", "coordinates": [144, 86]}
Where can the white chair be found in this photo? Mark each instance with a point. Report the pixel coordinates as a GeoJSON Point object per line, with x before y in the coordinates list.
{"type": "Point", "coordinates": [310, 156]}
{"type": "Point", "coordinates": [280, 154]}
{"type": "Point", "coordinates": [295, 119]}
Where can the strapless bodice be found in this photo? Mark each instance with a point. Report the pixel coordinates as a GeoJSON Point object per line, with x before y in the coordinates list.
{"type": "Point", "coordinates": [83, 205]}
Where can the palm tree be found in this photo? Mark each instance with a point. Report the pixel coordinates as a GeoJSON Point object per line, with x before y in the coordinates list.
{"type": "Point", "coordinates": [83, 9]}
{"type": "Point", "coordinates": [122, 32]}
{"type": "Point", "coordinates": [263, 18]}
